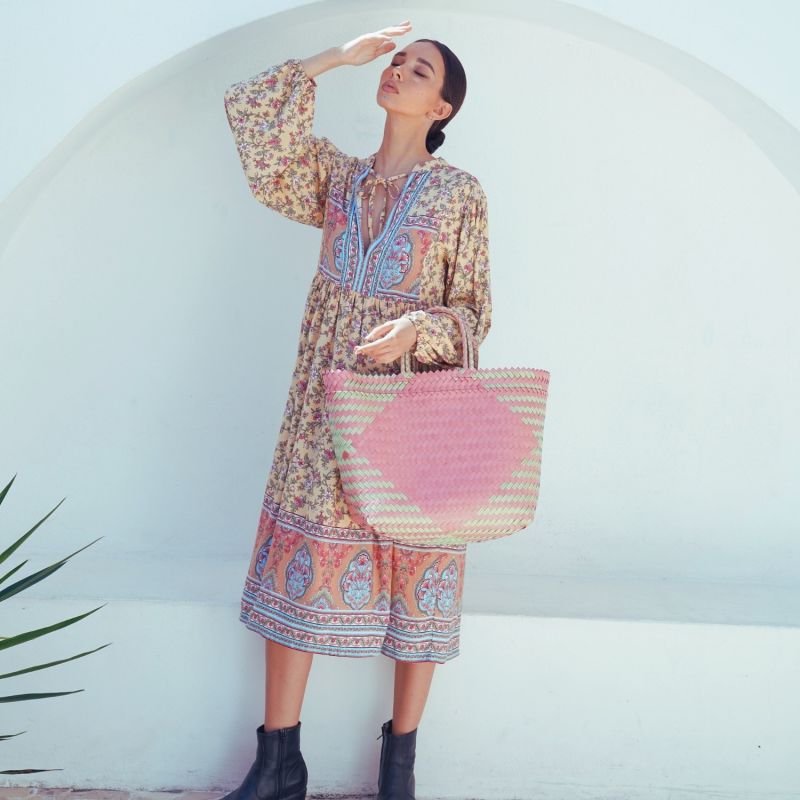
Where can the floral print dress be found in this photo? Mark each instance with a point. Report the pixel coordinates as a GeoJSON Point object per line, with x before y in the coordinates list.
{"type": "Point", "coordinates": [316, 580]}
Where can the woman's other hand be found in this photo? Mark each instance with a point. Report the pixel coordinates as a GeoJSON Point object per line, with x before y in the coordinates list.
{"type": "Point", "coordinates": [369, 46]}
{"type": "Point", "coordinates": [396, 337]}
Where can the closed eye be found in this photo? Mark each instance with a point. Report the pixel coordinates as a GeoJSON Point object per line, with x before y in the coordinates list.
{"type": "Point", "coordinates": [416, 71]}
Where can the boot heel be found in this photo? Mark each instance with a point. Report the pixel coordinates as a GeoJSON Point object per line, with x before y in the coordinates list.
{"type": "Point", "coordinates": [396, 779]}
{"type": "Point", "coordinates": [278, 762]}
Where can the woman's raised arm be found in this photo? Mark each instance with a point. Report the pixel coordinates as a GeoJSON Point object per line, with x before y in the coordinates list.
{"type": "Point", "coordinates": [271, 116]}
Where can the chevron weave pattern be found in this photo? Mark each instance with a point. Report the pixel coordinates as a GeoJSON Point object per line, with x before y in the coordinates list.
{"type": "Point", "coordinates": [442, 457]}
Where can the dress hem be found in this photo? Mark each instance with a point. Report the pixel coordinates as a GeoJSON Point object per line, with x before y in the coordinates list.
{"type": "Point", "coordinates": [335, 650]}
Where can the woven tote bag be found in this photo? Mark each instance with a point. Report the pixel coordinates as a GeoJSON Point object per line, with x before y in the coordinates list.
{"type": "Point", "coordinates": [442, 457]}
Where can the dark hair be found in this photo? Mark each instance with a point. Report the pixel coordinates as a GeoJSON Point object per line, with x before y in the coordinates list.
{"type": "Point", "coordinates": [454, 88]}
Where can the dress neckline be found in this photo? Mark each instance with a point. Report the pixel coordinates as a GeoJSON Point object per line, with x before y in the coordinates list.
{"type": "Point", "coordinates": [371, 179]}
{"type": "Point", "coordinates": [420, 166]}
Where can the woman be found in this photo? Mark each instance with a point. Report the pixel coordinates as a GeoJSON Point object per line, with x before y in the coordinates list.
{"type": "Point", "coordinates": [402, 231]}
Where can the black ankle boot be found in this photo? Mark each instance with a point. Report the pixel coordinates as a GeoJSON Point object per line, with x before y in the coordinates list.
{"type": "Point", "coordinates": [279, 771]}
{"type": "Point", "coordinates": [396, 776]}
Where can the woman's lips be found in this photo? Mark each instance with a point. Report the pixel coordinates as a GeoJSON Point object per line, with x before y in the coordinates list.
{"type": "Point", "coordinates": [388, 88]}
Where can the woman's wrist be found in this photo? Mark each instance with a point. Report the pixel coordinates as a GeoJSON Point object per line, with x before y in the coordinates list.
{"type": "Point", "coordinates": [322, 62]}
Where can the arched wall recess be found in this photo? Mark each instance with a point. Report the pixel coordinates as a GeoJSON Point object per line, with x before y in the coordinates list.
{"type": "Point", "coordinates": [779, 140]}
{"type": "Point", "coordinates": [628, 247]}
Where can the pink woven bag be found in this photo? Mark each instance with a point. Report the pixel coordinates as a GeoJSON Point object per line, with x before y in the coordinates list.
{"type": "Point", "coordinates": [442, 457]}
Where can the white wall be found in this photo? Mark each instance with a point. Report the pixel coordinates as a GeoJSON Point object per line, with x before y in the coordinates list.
{"type": "Point", "coordinates": [645, 250]}
{"type": "Point", "coordinates": [60, 60]}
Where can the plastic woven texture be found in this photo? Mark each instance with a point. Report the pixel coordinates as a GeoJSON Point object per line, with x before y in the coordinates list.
{"type": "Point", "coordinates": [441, 457]}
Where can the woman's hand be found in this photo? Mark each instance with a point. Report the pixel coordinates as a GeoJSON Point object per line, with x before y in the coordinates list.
{"type": "Point", "coordinates": [399, 335]}
{"type": "Point", "coordinates": [369, 46]}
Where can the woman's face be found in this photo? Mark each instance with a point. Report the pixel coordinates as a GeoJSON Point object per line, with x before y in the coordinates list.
{"type": "Point", "coordinates": [416, 75]}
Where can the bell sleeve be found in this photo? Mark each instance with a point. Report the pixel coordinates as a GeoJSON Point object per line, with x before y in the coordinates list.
{"type": "Point", "coordinates": [467, 291]}
{"type": "Point", "coordinates": [271, 117]}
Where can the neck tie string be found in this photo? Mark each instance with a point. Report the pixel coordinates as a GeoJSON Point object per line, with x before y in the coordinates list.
{"type": "Point", "coordinates": [368, 186]}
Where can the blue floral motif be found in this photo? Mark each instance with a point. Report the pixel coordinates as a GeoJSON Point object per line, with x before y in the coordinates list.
{"type": "Point", "coordinates": [269, 581]}
{"type": "Point", "coordinates": [425, 590]}
{"type": "Point", "coordinates": [381, 601]}
{"type": "Point", "coordinates": [339, 254]}
{"type": "Point", "coordinates": [446, 593]}
{"type": "Point", "coordinates": [322, 600]}
{"type": "Point", "coordinates": [399, 259]}
{"type": "Point", "coordinates": [399, 606]}
{"type": "Point", "coordinates": [437, 590]}
{"type": "Point", "coordinates": [261, 559]}
{"type": "Point", "coordinates": [299, 573]}
{"type": "Point", "coordinates": [356, 583]}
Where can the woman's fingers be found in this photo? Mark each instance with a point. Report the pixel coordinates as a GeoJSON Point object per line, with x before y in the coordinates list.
{"type": "Point", "coordinates": [375, 331]}
{"type": "Point", "coordinates": [369, 46]}
{"type": "Point", "coordinates": [401, 27]}
{"type": "Point", "coordinates": [395, 30]}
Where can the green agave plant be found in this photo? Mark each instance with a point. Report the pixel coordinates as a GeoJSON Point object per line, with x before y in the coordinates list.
{"type": "Point", "coordinates": [21, 638]}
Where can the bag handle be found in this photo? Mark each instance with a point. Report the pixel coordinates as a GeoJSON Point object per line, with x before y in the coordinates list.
{"type": "Point", "coordinates": [468, 347]}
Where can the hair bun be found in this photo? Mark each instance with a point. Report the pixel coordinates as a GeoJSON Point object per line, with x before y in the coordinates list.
{"type": "Point", "coordinates": [434, 140]}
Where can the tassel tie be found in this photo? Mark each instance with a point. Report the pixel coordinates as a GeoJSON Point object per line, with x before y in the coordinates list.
{"type": "Point", "coordinates": [368, 187]}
